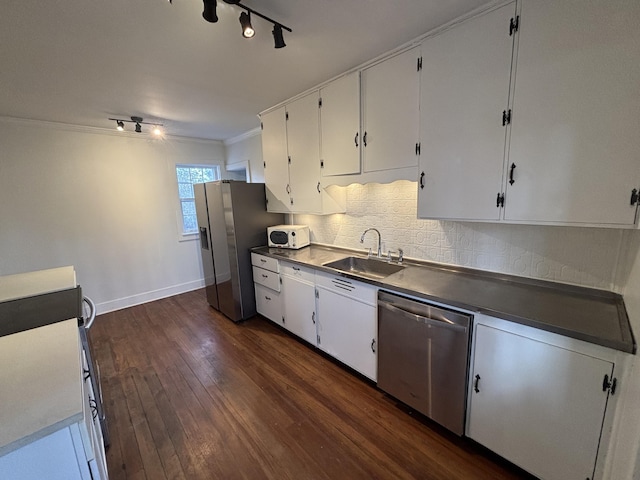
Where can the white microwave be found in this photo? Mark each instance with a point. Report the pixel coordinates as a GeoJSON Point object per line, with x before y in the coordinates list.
{"type": "Point", "coordinates": [288, 236]}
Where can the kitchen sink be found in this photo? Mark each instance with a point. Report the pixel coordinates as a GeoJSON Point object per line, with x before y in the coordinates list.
{"type": "Point", "coordinates": [365, 267]}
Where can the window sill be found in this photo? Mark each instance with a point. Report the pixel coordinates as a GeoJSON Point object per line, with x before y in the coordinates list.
{"type": "Point", "coordinates": [188, 237]}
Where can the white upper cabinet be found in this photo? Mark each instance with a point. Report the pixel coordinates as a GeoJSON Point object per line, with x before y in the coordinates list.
{"type": "Point", "coordinates": [274, 154]}
{"type": "Point", "coordinates": [390, 98]}
{"type": "Point", "coordinates": [303, 139]}
{"type": "Point", "coordinates": [575, 133]}
{"type": "Point", "coordinates": [340, 126]}
{"type": "Point", "coordinates": [291, 152]}
{"type": "Point", "coordinates": [464, 89]}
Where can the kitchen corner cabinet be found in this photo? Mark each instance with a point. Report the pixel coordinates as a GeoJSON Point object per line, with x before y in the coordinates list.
{"type": "Point", "coordinates": [276, 160]}
{"type": "Point", "coordinates": [464, 88]}
{"type": "Point", "coordinates": [390, 110]}
{"type": "Point", "coordinates": [539, 405]}
{"type": "Point", "coordinates": [340, 126]}
{"type": "Point", "coordinates": [298, 290]}
{"type": "Point", "coordinates": [291, 152]}
{"type": "Point", "coordinates": [574, 144]}
{"type": "Point", "coordinates": [347, 322]}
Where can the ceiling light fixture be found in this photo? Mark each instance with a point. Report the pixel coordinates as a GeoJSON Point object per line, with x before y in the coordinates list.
{"type": "Point", "coordinates": [278, 39]}
{"type": "Point", "coordinates": [209, 14]}
{"type": "Point", "coordinates": [245, 22]}
{"type": "Point", "coordinates": [139, 122]}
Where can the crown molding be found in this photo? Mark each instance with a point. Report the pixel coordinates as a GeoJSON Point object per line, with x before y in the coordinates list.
{"type": "Point", "coordinates": [243, 136]}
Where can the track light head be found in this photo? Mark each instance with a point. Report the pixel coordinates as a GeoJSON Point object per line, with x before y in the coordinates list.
{"type": "Point", "coordinates": [138, 128]}
{"type": "Point", "coordinates": [278, 38]}
{"type": "Point", "coordinates": [209, 13]}
{"type": "Point", "coordinates": [120, 125]}
{"type": "Point", "coordinates": [245, 22]}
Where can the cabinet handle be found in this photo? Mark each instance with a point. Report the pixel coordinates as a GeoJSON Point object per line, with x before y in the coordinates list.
{"type": "Point", "coordinates": [635, 196]}
{"type": "Point", "coordinates": [265, 276]}
{"type": "Point", "coordinates": [364, 139]}
{"type": "Point", "coordinates": [356, 138]}
{"type": "Point", "coordinates": [373, 345]}
{"type": "Point", "coordinates": [313, 317]}
{"type": "Point", "coordinates": [267, 298]}
{"type": "Point", "coordinates": [475, 384]}
{"type": "Point", "coordinates": [288, 189]}
{"type": "Point", "coordinates": [511, 180]}
{"type": "Point", "coordinates": [318, 187]}
{"type": "Point", "coordinates": [422, 180]}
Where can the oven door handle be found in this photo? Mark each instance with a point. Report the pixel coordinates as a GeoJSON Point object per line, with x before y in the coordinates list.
{"type": "Point", "coordinates": [438, 321]}
{"type": "Point", "coordinates": [92, 312]}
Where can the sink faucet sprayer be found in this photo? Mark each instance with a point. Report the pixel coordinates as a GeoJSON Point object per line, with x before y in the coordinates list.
{"type": "Point", "coordinates": [379, 240]}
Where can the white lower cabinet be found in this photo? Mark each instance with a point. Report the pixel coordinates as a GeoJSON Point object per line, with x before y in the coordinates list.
{"type": "Point", "coordinates": [539, 405]}
{"type": "Point", "coordinates": [298, 290]}
{"type": "Point", "coordinates": [347, 322]}
{"type": "Point", "coordinates": [266, 278]}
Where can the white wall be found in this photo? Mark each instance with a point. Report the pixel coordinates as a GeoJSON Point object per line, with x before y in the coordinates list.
{"type": "Point", "coordinates": [247, 150]}
{"type": "Point", "coordinates": [103, 202]}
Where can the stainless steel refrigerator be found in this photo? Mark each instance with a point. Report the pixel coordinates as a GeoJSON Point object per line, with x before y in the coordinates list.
{"type": "Point", "coordinates": [232, 219]}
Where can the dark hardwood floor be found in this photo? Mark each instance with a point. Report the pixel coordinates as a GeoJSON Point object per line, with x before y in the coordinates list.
{"type": "Point", "coordinates": [191, 395]}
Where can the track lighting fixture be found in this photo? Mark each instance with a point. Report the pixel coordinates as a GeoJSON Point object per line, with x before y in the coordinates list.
{"type": "Point", "coordinates": [245, 22]}
{"type": "Point", "coordinates": [278, 39]}
{"type": "Point", "coordinates": [138, 127]}
{"type": "Point", "coordinates": [209, 14]}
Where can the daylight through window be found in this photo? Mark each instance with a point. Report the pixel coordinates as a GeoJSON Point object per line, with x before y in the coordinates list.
{"type": "Point", "coordinates": [187, 176]}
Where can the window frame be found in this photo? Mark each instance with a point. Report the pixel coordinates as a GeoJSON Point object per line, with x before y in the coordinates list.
{"type": "Point", "coordinates": [217, 172]}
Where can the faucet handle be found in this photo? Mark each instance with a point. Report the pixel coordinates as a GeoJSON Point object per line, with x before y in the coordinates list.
{"type": "Point", "coordinates": [400, 255]}
{"type": "Point", "coordinates": [389, 257]}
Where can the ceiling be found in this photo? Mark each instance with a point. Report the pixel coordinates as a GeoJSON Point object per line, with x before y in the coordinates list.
{"type": "Point", "coordinates": [82, 61]}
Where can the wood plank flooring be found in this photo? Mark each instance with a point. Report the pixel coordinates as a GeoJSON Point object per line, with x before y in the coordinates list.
{"type": "Point", "coordinates": [191, 395]}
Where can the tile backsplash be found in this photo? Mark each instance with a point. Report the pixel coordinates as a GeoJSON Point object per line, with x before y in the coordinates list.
{"type": "Point", "coordinates": [575, 255]}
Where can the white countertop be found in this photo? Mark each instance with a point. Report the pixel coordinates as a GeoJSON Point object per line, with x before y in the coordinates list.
{"type": "Point", "coordinates": [40, 383]}
{"type": "Point", "coordinates": [28, 284]}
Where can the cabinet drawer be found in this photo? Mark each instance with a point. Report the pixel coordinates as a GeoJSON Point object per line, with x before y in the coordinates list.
{"type": "Point", "coordinates": [267, 278]}
{"type": "Point", "coordinates": [298, 271]}
{"type": "Point", "coordinates": [267, 263]}
{"type": "Point", "coordinates": [268, 303]}
{"type": "Point", "coordinates": [360, 291]}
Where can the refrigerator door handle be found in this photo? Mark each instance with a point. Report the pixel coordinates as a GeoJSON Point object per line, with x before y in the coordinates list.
{"type": "Point", "coordinates": [204, 238]}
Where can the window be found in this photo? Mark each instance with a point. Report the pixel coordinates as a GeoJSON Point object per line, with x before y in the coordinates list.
{"type": "Point", "coordinates": [187, 176]}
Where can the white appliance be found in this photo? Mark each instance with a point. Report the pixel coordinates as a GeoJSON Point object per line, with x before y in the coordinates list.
{"type": "Point", "coordinates": [288, 236]}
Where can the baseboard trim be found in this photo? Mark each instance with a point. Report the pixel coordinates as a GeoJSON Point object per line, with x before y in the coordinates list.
{"type": "Point", "coordinates": [125, 302]}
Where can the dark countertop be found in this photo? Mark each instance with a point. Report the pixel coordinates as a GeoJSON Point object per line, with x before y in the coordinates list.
{"type": "Point", "coordinates": [595, 316]}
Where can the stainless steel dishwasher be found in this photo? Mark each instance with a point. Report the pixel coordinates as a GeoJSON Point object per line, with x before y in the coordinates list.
{"type": "Point", "coordinates": [423, 354]}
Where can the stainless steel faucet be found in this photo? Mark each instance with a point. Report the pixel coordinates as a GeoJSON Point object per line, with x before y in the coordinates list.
{"type": "Point", "coordinates": [379, 240]}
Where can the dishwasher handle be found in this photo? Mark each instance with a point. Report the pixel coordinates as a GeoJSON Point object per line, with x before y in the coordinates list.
{"type": "Point", "coordinates": [439, 321]}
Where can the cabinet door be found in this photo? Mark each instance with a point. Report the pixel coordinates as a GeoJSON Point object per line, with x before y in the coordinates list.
{"type": "Point", "coordinates": [340, 126]}
{"type": "Point", "coordinates": [390, 93]}
{"type": "Point", "coordinates": [575, 121]}
{"type": "Point", "coordinates": [347, 331]}
{"type": "Point", "coordinates": [464, 89]}
{"type": "Point", "coordinates": [537, 405]}
{"type": "Point", "coordinates": [303, 139]}
{"type": "Point", "coordinates": [299, 308]}
{"type": "Point", "coordinates": [276, 166]}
